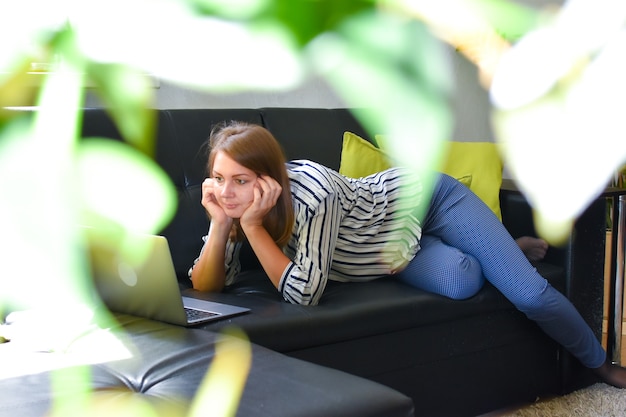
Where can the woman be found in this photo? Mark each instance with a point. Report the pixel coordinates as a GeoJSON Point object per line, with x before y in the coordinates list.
{"type": "Point", "coordinates": [307, 224]}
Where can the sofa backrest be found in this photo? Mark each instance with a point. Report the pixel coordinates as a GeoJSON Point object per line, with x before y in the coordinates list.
{"type": "Point", "coordinates": [181, 150]}
{"type": "Point", "coordinates": [314, 134]}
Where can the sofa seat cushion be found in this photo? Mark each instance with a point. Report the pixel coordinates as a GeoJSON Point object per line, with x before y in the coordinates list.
{"type": "Point", "coordinates": [348, 311]}
{"type": "Point", "coordinates": [169, 363]}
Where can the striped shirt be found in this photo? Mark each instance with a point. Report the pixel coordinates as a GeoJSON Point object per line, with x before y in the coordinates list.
{"type": "Point", "coordinates": [345, 229]}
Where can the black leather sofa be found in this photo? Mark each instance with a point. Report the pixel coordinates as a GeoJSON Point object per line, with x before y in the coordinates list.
{"type": "Point", "coordinates": [452, 358]}
{"type": "Point", "coordinates": [167, 366]}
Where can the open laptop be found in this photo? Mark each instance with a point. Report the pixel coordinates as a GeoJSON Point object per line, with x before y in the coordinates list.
{"type": "Point", "coordinates": [150, 288]}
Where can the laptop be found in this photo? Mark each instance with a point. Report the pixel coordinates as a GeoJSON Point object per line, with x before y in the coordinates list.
{"type": "Point", "coordinates": [149, 288]}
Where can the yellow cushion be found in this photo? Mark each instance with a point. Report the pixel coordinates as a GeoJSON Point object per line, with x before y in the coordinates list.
{"type": "Point", "coordinates": [481, 161]}
{"type": "Point", "coordinates": [475, 164]}
{"type": "Point", "coordinates": [360, 158]}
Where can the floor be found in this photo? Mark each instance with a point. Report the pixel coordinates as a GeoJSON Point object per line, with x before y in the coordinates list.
{"type": "Point", "coordinates": [504, 412]}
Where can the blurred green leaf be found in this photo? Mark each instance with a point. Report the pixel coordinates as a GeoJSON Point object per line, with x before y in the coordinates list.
{"type": "Point", "coordinates": [307, 19]}
{"type": "Point", "coordinates": [511, 20]}
{"type": "Point", "coordinates": [37, 223]}
{"type": "Point", "coordinates": [122, 186]}
{"type": "Point", "coordinates": [128, 97]}
{"type": "Point", "coordinates": [230, 9]}
{"type": "Point", "coordinates": [221, 389]}
{"type": "Point", "coordinates": [16, 88]}
{"type": "Point", "coordinates": [203, 52]}
{"type": "Point", "coordinates": [393, 73]}
{"type": "Point", "coordinates": [403, 47]}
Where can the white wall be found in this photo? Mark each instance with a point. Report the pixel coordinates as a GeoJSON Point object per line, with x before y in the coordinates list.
{"type": "Point", "coordinates": [315, 93]}
{"type": "Point", "coordinates": [470, 101]}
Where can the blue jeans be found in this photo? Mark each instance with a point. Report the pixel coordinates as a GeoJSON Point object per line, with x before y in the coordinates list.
{"type": "Point", "coordinates": [464, 243]}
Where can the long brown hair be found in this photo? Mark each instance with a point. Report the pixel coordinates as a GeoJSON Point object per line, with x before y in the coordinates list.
{"type": "Point", "coordinates": [255, 148]}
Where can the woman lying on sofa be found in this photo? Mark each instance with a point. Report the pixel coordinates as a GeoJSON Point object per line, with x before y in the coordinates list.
{"type": "Point", "coordinates": [307, 224]}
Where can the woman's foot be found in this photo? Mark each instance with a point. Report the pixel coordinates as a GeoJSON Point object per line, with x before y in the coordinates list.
{"type": "Point", "coordinates": [612, 374]}
{"type": "Point", "coordinates": [534, 248]}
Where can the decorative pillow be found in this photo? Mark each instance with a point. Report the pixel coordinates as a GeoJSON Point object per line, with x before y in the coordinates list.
{"type": "Point", "coordinates": [481, 161]}
{"type": "Point", "coordinates": [475, 164]}
{"type": "Point", "coordinates": [360, 158]}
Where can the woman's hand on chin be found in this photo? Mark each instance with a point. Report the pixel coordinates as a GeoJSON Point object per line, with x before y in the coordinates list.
{"type": "Point", "coordinates": [266, 194]}
{"type": "Point", "coordinates": [212, 207]}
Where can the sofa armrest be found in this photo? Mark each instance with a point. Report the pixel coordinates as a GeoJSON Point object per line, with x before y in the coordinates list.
{"type": "Point", "coordinates": [517, 217]}
{"type": "Point", "coordinates": [582, 258]}
{"type": "Point", "coordinates": [583, 253]}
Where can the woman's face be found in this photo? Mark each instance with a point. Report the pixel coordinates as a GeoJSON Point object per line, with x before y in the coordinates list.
{"type": "Point", "coordinates": [234, 185]}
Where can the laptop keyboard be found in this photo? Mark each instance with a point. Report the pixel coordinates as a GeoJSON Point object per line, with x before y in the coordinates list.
{"type": "Point", "coordinates": [193, 314]}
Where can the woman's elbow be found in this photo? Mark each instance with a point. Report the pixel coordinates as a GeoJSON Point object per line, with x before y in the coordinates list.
{"type": "Point", "coordinates": [206, 285]}
{"type": "Point", "coordinates": [300, 299]}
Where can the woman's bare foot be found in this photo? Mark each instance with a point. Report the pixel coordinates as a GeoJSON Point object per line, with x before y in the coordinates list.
{"type": "Point", "coordinates": [612, 374]}
{"type": "Point", "coordinates": [534, 248]}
